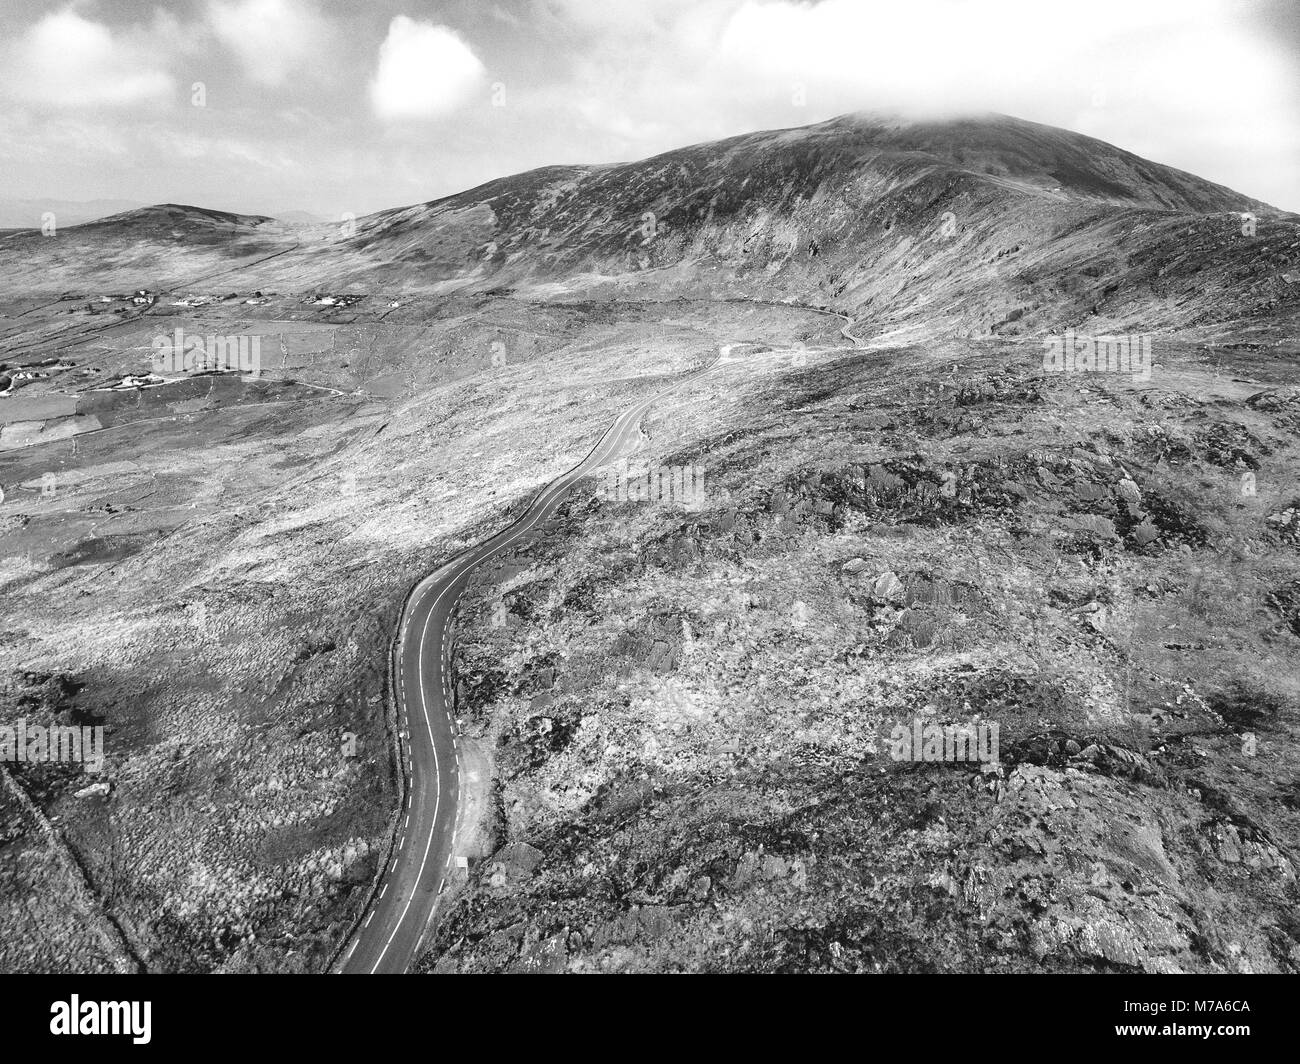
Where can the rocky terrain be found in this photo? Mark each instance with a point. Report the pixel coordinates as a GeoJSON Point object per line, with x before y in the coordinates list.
{"type": "Point", "coordinates": [678, 710]}
{"type": "Point", "coordinates": [685, 707]}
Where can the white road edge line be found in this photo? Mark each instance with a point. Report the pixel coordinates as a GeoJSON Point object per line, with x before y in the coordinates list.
{"type": "Point", "coordinates": [556, 488]}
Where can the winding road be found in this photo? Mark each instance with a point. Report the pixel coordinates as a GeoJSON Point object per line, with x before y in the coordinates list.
{"type": "Point", "coordinates": [389, 939]}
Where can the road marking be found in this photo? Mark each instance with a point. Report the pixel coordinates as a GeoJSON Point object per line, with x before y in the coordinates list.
{"type": "Point", "coordinates": [437, 774]}
{"type": "Point", "coordinates": [610, 442]}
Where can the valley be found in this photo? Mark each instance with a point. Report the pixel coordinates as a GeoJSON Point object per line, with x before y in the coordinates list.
{"type": "Point", "coordinates": [671, 715]}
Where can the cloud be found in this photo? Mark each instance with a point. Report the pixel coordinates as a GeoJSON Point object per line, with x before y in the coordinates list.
{"type": "Point", "coordinates": [933, 55]}
{"type": "Point", "coordinates": [1193, 83]}
{"type": "Point", "coordinates": [272, 38]}
{"type": "Point", "coordinates": [67, 61]}
{"type": "Point", "coordinates": [425, 71]}
{"type": "Point", "coordinates": [1206, 85]}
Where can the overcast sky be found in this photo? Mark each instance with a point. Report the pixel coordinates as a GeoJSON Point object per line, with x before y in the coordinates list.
{"type": "Point", "coordinates": [336, 105]}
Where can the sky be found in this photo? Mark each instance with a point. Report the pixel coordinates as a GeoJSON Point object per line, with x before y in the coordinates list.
{"type": "Point", "coordinates": [345, 107]}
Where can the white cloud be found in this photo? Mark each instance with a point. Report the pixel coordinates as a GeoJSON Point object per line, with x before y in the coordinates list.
{"type": "Point", "coordinates": [1192, 83]}
{"type": "Point", "coordinates": [272, 38]}
{"type": "Point", "coordinates": [1205, 85]}
{"type": "Point", "coordinates": [425, 71]}
{"type": "Point", "coordinates": [67, 61]}
{"type": "Point", "coordinates": [943, 55]}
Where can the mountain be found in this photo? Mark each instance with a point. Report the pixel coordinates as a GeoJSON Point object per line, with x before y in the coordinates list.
{"type": "Point", "coordinates": [995, 226]}
{"type": "Point", "coordinates": [175, 220]}
{"type": "Point", "coordinates": [299, 217]}
{"type": "Point", "coordinates": [676, 724]}
{"type": "Point", "coordinates": [837, 181]}
{"type": "Point", "coordinates": [971, 220]}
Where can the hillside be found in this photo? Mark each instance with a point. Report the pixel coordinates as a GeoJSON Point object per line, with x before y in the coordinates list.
{"type": "Point", "coordinates": [671, 718]}
{"type": "Point", "coordinates": [994, 227]}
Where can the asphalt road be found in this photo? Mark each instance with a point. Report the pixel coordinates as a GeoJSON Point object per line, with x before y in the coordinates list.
{"type": "Point", "coordinates": [389, 939]}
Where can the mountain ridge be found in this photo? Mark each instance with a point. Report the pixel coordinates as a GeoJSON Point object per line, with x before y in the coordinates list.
{"type": "Point", "coordinates": [994, 225]}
